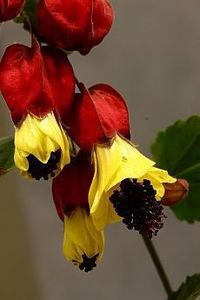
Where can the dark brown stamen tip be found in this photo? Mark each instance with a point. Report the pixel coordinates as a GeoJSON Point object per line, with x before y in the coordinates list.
{"type": "Point", "coordinates": [39, 170]}
{"type": "Point", "coordinates": [88, 263]}
{"type": "Point", "coordinates": [135, 202]}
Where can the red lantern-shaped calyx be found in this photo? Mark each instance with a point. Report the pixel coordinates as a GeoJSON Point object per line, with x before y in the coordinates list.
{"type": "Point", "coordinates": [36, 80]}
{"type": "Point", "coordinates": [75, 24]}
{"type": "Point", "coordinates": [70, 188]}
{"type": "Point", "coordinates": [98, 114]}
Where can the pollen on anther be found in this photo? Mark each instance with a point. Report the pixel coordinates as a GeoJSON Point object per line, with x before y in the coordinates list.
{"type": "Point", "coordinates": [88, 263]}
{"type": "Point", "coordinates": [39, 170]}
{"type": "Point", "coordinates": [135, 202]}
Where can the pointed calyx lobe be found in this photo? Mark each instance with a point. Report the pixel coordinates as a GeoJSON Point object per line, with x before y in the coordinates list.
{"type": "Point", "coordinates": [9, 9]}
{"type": "Point", "coordinates": [175, 192]}
{"type": "Point", "coordinates": [74, 24]}
{"type": "Point", "coordinates": [36, 80]}
{"type": "Point", "coordinates": [70, 188]}
{"type": "Point", "coordinates": [99, 113]}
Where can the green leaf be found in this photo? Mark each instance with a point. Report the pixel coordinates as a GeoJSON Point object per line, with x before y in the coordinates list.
{"type": "Point", "coordinates": [189, 290]}
{"type": "Point", "coordinates": [177, 149]}
{"type": "Point", "coordinates": [6, 154]}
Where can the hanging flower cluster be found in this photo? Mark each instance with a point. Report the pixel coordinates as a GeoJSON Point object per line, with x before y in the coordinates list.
{"type": "Point", "coordinates": [104, 178]}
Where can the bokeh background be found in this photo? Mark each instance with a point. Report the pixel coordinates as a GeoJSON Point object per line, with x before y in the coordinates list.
{"type": "Point", "coordinates": [152, 56]}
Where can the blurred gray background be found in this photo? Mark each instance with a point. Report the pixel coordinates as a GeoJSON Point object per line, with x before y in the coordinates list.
{"type": "Point", "coordinates": [152, 56]}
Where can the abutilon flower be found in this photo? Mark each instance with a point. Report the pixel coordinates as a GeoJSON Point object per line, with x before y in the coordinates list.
{"type": "Point", "coordinates": [9, 9]}
{"type": "Point", "coordinates": [38, 86]}
{"type": "Point", "coordinates": [74, 25]}
{"type": "Point", "coordinates": [83, 244]}
{"type": "Point", "coordinates": [126, 185]}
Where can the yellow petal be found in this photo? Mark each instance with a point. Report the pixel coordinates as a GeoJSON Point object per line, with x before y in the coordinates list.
{"type": "Point", "coordinates": [113, 164]}
{"type": "Point", "coordinates": [40, 137]}
{"type": "Point", "coordinates": [157, 177]}
{"type": "Point", "coordinates": [81, 237]}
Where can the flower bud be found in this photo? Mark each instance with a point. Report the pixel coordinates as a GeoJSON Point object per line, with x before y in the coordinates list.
{"type": "Point", "coordinates": [74, 25]}
{"type": "Point", "coordinates": [10, 9]}
{"type": "Point", "coordinates": [175, 192]}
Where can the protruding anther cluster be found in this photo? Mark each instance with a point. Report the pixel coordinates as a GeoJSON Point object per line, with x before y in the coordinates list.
{"type": "Point", "coordinates": [135, 202]}
{"type": "Point", "coordinates": [88, 263]}
{"type": "Point", "coordinates": [39, 170]}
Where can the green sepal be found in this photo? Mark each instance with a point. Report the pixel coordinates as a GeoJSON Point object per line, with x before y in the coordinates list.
{"type": "Point", "coordinates": [28, 15]}
{"type": "Point", "coordinates": [6, 154]}
{"type": "Point", "coordinates": [189, 290]}
{"type": "Point", "coordinates": [177, 149]}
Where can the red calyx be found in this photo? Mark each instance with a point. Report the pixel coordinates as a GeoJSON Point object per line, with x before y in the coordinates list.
{"type": "Point", "coordinates": [74, 24]}
{"type": "Point", "coordinates": [9, 9]}
{"type": "Point", "coordinates": [70, 188]}
{"type": "Point", "coordinates": [99, 113]}
{"type": "Point", "coordinates": [36, 80]}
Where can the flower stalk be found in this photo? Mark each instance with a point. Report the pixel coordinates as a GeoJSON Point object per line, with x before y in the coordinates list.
{"type": "Point", "coordinates": [158, 265]}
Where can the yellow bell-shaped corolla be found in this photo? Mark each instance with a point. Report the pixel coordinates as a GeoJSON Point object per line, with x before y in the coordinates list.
{"type": "Point", "coordinates": [42, 147]}
{"type": "Point", "coordinates": [83, 244]}
{"type": "Point", "coordinates": [114, 163]}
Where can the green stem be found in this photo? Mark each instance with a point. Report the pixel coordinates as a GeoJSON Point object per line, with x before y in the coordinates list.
{"type": "Point", "coordinates": [158, 265]}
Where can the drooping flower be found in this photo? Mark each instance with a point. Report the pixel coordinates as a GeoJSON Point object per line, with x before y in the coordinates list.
{"type": "Point", "coordinates": [10, 9]}
{"type": "Point", "coordinates": [126, 185]}
{"type": "Point", "coordinates": [38, 86]}
{"type": "Point", "coordinates": [83, 244]}
{"type": "Point", "coordinates": [74, 25]}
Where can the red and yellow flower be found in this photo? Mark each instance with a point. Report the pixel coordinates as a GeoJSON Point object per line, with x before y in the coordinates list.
{"type": "Point", "coordinates": [83, 244]}
{"type": "Point", "coordinates": [102, 113]}
{"type": "Point", "coordinates": [38, 86]}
